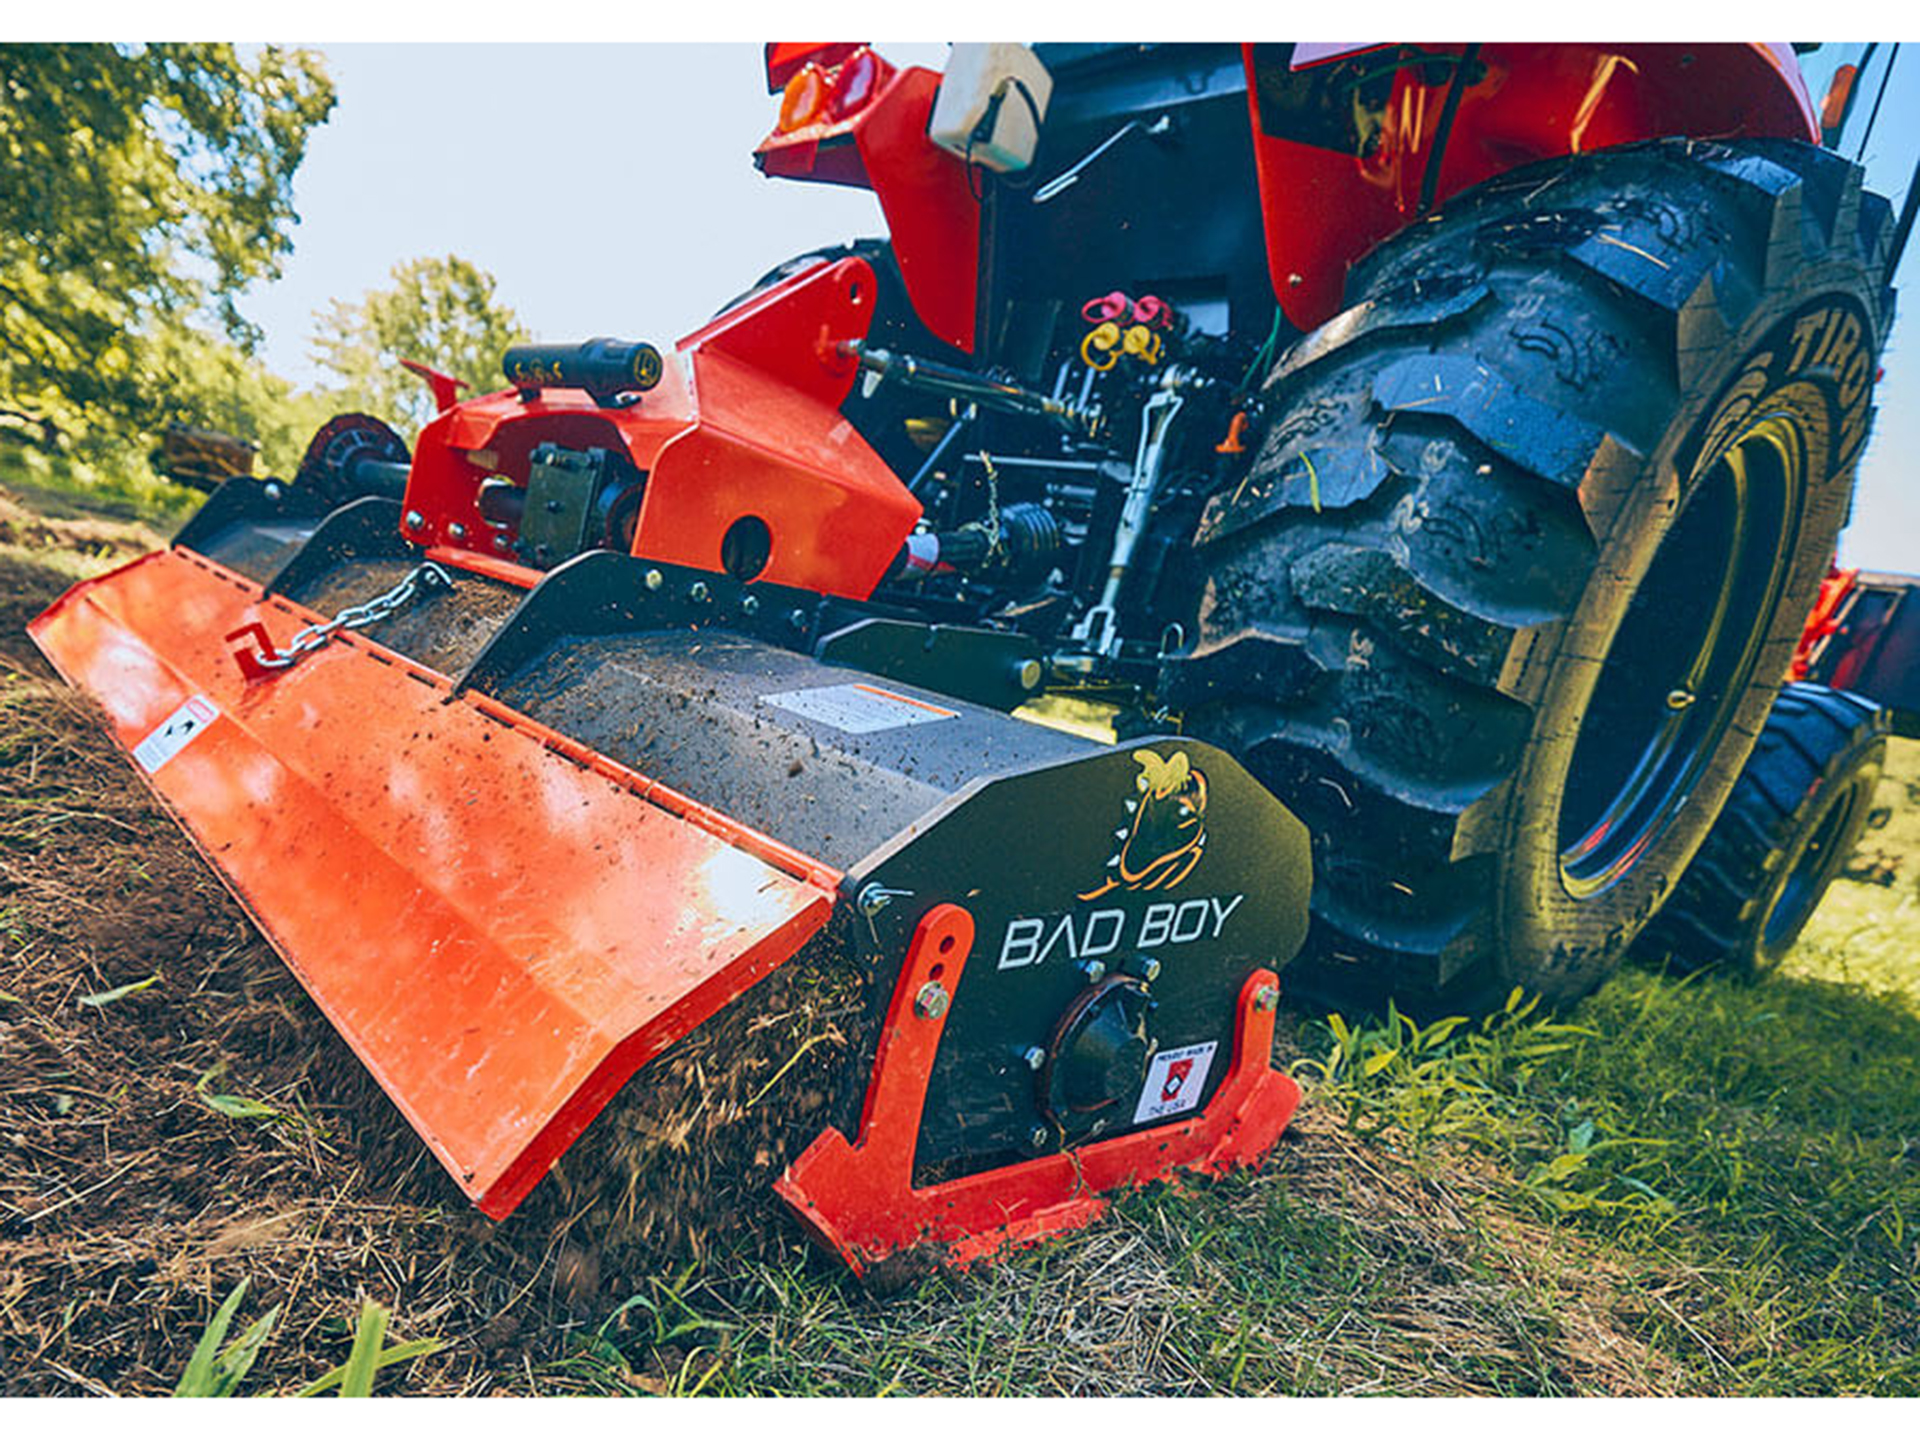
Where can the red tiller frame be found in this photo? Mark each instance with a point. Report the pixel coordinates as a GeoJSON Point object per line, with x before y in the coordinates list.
{"type": "Point", "coordinates": [744, 423]}
{"type": "Point", "coordinates": [859, 1198]}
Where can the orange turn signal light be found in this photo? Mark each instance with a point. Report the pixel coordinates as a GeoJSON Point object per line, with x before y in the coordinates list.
{"type": "Point", "coordinates": [803, 99]}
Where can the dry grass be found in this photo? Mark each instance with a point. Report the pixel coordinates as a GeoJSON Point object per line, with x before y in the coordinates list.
{"type": "Point", "coordinates": [1389, 1255]}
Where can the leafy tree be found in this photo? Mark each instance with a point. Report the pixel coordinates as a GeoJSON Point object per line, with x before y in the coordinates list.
{"type": "Point", "coordinates": [440, 312]}
{"type": "Point", "coordinates": [145, 187]}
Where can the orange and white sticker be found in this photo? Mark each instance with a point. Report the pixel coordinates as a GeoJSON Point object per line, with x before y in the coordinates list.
{"type": "Point", "coordinates": [1174, 1081]}
{"type": "Point", "coordinates": [175, 733]}
{"type": "Point", "coordinates": [860, 709]}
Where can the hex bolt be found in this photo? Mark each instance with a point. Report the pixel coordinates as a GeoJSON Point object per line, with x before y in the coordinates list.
{"type": "Point", "coordinates": [457, 531]}
{"type": "Point", "coordinates": [798, 619]}
{"type": "Point", "coordinates": [502, 544]}
{"type": "Point", "coordinates": [1267, 997]}
{"type": "Point", "coordinates": [749, 604]}
{"type": "Point", "coordinates": [415, 519]}
{"type": "Point", "coordinates": [1148, 968]}
{"type": "Point", "coordinates": [654, 579]}
{"type": "Point", "coordinates": [1095, 971]}
{"type": "Point", "coordinates": [1034, 1056]}
{"type": "Point", "coordinates": [1039, 1138]}
{"type": "Point", "coordinates": [931, 1002]}
{"type": "Point", "coordinates": [697, 591]}
{"type": "Point", "coordinates": [1097, 1127]}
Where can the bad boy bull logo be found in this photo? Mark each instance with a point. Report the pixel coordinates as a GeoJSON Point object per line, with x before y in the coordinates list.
{"type": "Point", "coordinates": [1169, 829]}
{"type": "Point", "coordinates": [1157, 850]}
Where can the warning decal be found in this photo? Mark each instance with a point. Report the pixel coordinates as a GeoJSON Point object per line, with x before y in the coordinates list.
{"type": "Point", "coordinates": [860, 709]}
{"type": "Point", "coordinates": [1174, 1081]}
{"type": "Point", "coordinates": [175, 733]}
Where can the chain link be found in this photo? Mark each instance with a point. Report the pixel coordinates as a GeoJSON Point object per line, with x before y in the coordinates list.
{"type": "Point", "coordinates": [422, 579]}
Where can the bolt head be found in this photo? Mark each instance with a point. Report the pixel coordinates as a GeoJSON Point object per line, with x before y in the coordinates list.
{"type": "Point", "coordinates": [502, 544]}
{"type": "Point", "coordinates": [273, 491]}
{"type": "Point", "coordinates": [749, 604]}
{"type": "Point", "coordinates": [1095, 971]}
{"type": "Point", "coordinates": [697, 591]}
{"type": "Point", "coordinates": [1267, 997]}
{"type": "Point", "coordinates": [1097, 1127]}
{"type": "Point", "coordinates": [415, 519]}
{"type": "Point", "coordinates": [798, 619]}
{"type": "Point", "coordinates": [1035, 1057]}
{"type": "Point", "coordinates": [654, 579]}
{"type": "Point", "coordinates": [1039, 1138]}
{"type": "Point", "coordinates": [457, 531]}
{"type": "Point", "coordinates": [1149, 969]}
{"type": "Point", "coordinates": [931, 1003]}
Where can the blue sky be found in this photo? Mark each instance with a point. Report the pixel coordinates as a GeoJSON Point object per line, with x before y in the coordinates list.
{"type": "Point", "coordinates": [610, 190]}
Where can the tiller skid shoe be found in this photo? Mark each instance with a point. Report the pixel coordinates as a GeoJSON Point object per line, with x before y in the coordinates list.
{"type": "Point", "coordinates": [518, 832]}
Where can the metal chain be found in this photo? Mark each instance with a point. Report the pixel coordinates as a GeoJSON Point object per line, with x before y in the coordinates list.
{"type": "Point", "coordinates": [421, 579]}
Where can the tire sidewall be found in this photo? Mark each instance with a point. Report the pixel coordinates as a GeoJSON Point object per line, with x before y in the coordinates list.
{"type": "Point", "coordinates": [1561, 945]}
{"type": "Point", "coordinates": [1854, 772]}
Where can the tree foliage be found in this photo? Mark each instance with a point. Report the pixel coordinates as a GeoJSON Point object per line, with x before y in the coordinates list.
{"type": "Point", "coordinates": [145, 187]}
{"type": "Point", "coordinates": [441, 312]}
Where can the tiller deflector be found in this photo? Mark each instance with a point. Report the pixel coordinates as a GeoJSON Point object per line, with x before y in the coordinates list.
{"type": "Point", "coordinates": [503, 935]}
{"type": "Point", "coordinates": [517, 841]}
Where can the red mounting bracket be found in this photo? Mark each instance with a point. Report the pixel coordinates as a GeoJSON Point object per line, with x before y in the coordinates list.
{"type": "Point", "coordinates": [257, 658]}
{"type": "Point", "coordinates": [860, 1198]}
{"type": "Point", "coordinates": [446, 388]}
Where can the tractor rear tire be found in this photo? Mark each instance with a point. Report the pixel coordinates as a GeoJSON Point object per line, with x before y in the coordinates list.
{"type": "Point", "coordinates": [1502, 602]}
{"type": "Point", "coordinates": [1794, 817]}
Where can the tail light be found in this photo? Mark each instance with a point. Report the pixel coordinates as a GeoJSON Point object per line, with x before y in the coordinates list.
{"type": "Point", "coordinates": [859, 80]}
{"type": "Point", "coordinates": [803, 99]}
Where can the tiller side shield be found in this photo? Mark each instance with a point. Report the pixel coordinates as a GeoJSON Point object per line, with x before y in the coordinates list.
{"type": "Point", "coordinates": [503, 929]}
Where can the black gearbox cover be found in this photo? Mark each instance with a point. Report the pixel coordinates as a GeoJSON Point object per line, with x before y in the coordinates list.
{"type": "Point", "coordinates": [1162, 849]}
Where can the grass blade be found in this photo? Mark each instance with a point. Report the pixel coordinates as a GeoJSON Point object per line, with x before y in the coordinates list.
{"type": "Point", "coordinates": [199, 1379]}
{"type": "Point", "coordinates": [119, 992]}
{"type": "Point", "coordinates": [357, 1375]}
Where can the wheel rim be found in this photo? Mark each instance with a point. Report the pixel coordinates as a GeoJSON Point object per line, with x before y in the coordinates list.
{"type": "Point", "coordinates": [1683, 657]}
{"type": "Point", "coordinates": [1811, 870]}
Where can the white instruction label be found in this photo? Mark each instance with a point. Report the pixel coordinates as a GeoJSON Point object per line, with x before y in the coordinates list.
{"type": "Point", "coordinates": [1174, 1081]}
{"type": "Point", "coordinates": [860, 709]}
{"type": "Point", "coordinates": [176, 732]}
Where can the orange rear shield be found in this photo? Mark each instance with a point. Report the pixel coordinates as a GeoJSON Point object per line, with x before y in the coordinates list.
{"type": "Point", "coordinates": [503, 933]}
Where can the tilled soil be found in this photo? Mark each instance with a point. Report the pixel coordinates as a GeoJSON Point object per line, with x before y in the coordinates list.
{"type": "Point", "coordinates": [131, 1202]}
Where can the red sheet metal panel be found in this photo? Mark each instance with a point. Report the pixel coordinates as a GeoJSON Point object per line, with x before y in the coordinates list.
{"type": "Point", "coordinates": [503, 933]}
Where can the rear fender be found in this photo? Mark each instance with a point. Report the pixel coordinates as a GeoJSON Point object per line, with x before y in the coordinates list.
{"type": "Point", "coordinates": [1326, 206]}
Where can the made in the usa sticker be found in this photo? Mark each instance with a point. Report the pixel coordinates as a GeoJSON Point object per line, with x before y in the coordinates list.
{"type": "Point", "coordinates": [1174, 1082]}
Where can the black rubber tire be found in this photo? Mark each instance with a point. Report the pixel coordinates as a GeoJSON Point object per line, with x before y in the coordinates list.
{"type": "Point", "coordinates": [1793, 818]}
{"type": "Point", "coordinates": [1650, 364]}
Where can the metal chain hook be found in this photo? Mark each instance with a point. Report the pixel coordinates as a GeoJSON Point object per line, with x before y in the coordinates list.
{"type": "Point", "coordinates": [264, 659]}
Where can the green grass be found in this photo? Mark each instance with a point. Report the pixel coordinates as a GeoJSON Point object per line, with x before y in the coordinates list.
{"type": "Point", "coordinates": [1687, 1183]}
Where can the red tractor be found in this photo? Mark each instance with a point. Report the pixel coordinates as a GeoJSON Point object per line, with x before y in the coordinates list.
{"type": "Point", "coordinates": [1426, 455]}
